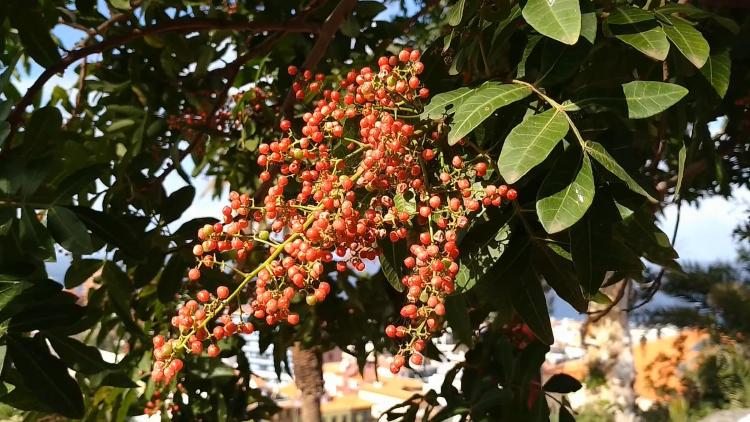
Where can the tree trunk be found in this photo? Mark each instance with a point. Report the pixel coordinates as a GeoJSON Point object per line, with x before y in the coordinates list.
{"type": "Point", "coordinates": [308, 376]}
{"type": "Point", "coordinates": [609, 354]}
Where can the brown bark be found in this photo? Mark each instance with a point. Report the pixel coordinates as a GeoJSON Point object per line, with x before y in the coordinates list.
{"type": "Point", "coordinates": [609, 354]}
{"type": "Point", "coordinates": [308, 376]}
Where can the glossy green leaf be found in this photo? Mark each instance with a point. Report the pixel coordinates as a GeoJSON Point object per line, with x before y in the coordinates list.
{"type": "Point", "coordinates": [681, 156]}
{"type": "Point", "coordinates": [482, 102]}
{"type": "Point", "coordinates": [688, 40]}
{"type": "Point", "coordinates": [598, 153]}
{"type": "Point", "coordinates": [391, 261]}
{"type": "Point", "coordinates": [171, 278]}
{"type": "Point", "coordinates": [457, 316]}
{"type": "Point", "coordinates": [629, 16]}
{"type": "Point", "coordinates": [35, 36]}
{"type": "Point", "coordinates": [589, 26]}
{"type": "Point", "coordinates": [46, 315]}
{"type": "Point", "coordinates": [559, 274]}
{"type": "Point", "coordinates": [44, 127]}
{"type": "Point", "coordinates": [80, 270]}
{"type": "Point", "coordinates": [478, 261]}
{"type": "Point", "coordinates": [456, 13]}
{"type": "Point", "coordinates": [647, 98]}
{"type": "Point", "coordinates": [638, 28]}
{"type": "Point", "coordinates": [531, 304]}
{"type": "Point", "coordinates": [9, 290]}
{"type": "Point", "coordinates": [717, 71]}
{"type": "Point", "coordinates": [178, 202]}
{"type": "Point", "coordinates": [562, 383]}
{"type": "Point", "coordinates": [559, 19]}
{"type": "Point", "coordinates": [527, 50]}
{"type": "Point", "coordinates": [568, 200]}
{"type": "Point", "coordinates": [406, 202]}
{"type": "Point", "coordinates": [69, 231]}
{"type": "Point", "coordinates": [119, 289]}
{"type": "Point", "coordinates": [82, 358]}
{"type": "Point", "coordinates": [46, 376]}
{"type": "Point", "coordinates": [529, 143]}
{"type": "Point", "coordinates": [445, 103]}
{"type": "Point", "coordinates": [564, 415]}
{"type": "Point", "coordinates": [110, 229]}
{"type": "Point", "coordinates": [34, 237]}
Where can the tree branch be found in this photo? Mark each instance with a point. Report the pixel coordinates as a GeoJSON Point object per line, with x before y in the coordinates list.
{"type": "Point", "coordinates": [232, 70]}
{"type": "Point", "coordinates": [325, 36]}
{"type": "Point", "coordinates": [186, 25]}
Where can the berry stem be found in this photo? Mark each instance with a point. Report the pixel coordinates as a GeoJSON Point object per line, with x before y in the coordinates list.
{"type": "Point", "coordinates": [559, 107]}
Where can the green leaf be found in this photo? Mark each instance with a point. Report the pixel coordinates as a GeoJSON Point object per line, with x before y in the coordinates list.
{"type": "Point", "coordinates": [178, 202]}
{"type": "Point", "coordinates": [557, 271]}
{"type": "Point", "coordinates": [80, 270]}
{"type": "Point", "coordinates": [529, 143]}
{"type": "Point", "coordinates": [688, 40]}
{"type": "Point", "coordinates": [531, 304]}
{"type": "Point", "coordinates": [120, 4]}
{"type": "Point", "coordinates": [35, 35]}
{"type": "Point", "coordinates": [641, 233]}
{"type": "Point", "coordinates": [598, 153]}
{"type": "Point", "coordinates": [34, 237]}
{"type": "Point", "coordinates": [47, 315]}
{"type": "Point", "coordinates": [46, 376]}
{"type": "Point", "coordinates": [481, 104]}
{"type": "Point", "coordinates": [589, 26]}
{"type": "Point", "coordinates": [562, 383]}
{"type": "Point", "coordinates": [82, 358]}
{"type": "Point", "coordinates": [456, 13]}
{"type": "Point", "coordinates": [171, 278]}
{"type": "Point", "coordinates": [647, 98]}
{"type": "Point", "coordinates": [457, 315]}
{"type": "Point", "coordinates": [717, 71]}
{"type": "Point", "coordinates": [440, 103]}
{"type": "Point", "coordinates": [406, 202]}
{"type": "Point", "coordinates": [681, 156]}
{"type": "Point", "coordinates": [9, 290]}
{"type": "Point", "coordinates": [43, 127]}
{"type": "Point", "coordinates": [120, 125]}
{"type": "Point", "coordinates": [119, 289]}
{"type": "Point", "coordinates": [110, 229]}
{"type": "Point", "coordinates": [69, 231]}
{"type": "Point", "coordinates": [530, 45]}
{"type": "Point", "coordinates": [391, 259]}
{"type": "Point", "coordinates": [559, 19]}
{"type": "Point", "coordinates": [637, 28]}
{"type": "Point", "coordinates": [565, 415]}
{"type": "Point", "coordinates": [629, 16]}
{"type": "Point", "coordinates": [568, 200]}
{"type": "Point", "coordinates": [478, 262]}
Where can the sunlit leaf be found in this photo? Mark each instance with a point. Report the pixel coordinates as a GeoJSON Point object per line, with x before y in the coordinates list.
{"type": "Point", "coordinates": [559, 19]}
{"type": "Point", "coordinates": [529, 143]}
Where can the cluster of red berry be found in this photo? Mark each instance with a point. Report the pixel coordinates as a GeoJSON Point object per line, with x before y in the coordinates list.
{"type": "Point", "coordinates": [362, 168]}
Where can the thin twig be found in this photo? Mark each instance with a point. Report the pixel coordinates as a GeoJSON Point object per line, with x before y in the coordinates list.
{"type": "Point", "coordinates": [325, 36]}
{"type": "Point", "coordinates": [183, 25]}
{"type": "Point", "coordinates": [232, 71]}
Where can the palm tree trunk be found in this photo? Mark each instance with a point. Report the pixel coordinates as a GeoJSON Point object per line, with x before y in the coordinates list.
{"type": "Point", "coordinates": [609, 354]}
{"type": "Point", "coordinates": [308, 376]}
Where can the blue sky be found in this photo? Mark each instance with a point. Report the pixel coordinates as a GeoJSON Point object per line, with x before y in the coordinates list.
{"type": "Point", "coordinates": [705, 232]}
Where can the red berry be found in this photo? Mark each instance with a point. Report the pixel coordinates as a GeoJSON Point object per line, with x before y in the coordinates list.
{"type": "Point", "coordinates": [222, 292]}
{"type": "Point", "coordinates": [213, 351]}
{"type": "Point", "coordinates": [203, 296]}
{"type": "Point", "coordinates": [194, 274]}
{"type": "Point", "coordinates": [292, 70]}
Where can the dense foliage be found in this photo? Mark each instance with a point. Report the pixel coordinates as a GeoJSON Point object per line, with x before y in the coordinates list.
{"type": "Point", "coordinates": [597, 112]}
